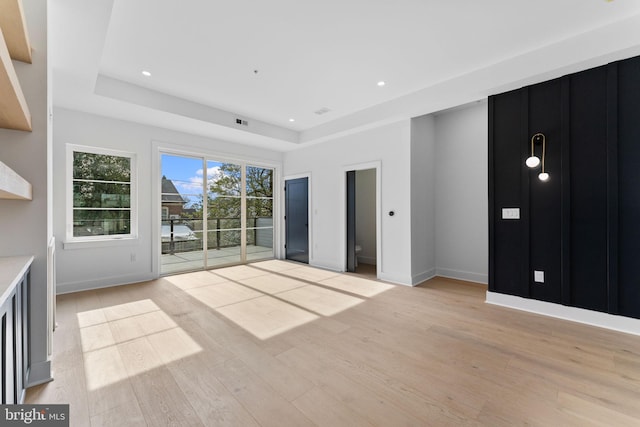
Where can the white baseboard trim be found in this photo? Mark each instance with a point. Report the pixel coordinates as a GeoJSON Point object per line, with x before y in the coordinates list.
{"type": "Point", "coordinates": [103, 282]}
{"type": "Point", "coordinates": [398, 280]}
{"type": "Point", "coordinates": [425, 275]}
{"type": "Point", "coordinates": [594, 318]}
{"type": "Point", "coordinates": [463, 275]}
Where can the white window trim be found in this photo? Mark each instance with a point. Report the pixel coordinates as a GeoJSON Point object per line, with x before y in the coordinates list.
{"type": "Point", "coordinates": [108, 240]}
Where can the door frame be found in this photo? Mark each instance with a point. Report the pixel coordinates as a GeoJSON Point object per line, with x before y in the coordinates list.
{"type": "Point", "coordinates": [377, 165]}
{"type": "Point", "coordinates": [283, 226]}
{"type": "Point", "coordinates": [158, 148]}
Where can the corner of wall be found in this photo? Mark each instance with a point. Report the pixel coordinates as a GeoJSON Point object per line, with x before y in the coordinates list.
{"type": "Point", "coordinates": [423, 193]}
{"type": "Point", "coordinates": [461, 200]}
{"type": "Point", "coordinates": [416, 279]}
{"type": "Point", "coordinates": [463, 275]}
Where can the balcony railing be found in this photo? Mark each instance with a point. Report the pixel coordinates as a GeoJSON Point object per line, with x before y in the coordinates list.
{"type": "Point", "coordinates": [185, 235]}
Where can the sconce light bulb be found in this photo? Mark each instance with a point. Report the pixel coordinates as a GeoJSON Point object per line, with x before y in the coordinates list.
{"type": "Point", "coordinates": [543, 176]}
{"type": "Point", "coordinates": [532, 161]}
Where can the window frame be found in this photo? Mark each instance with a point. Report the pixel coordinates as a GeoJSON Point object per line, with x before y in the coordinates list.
{"type": "Point", "coordinates": [133, 201]}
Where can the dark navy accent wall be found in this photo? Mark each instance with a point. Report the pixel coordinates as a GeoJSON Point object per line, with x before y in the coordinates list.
{"type": "Point", "coordinates": [582, 226]}
{"type": "Point", "coordinates": [587, 120]}
{"type": "Point", "coordinates": [545, 197]}
{"type": "Point", "coordinates": [509, 248]}
{"type": "Point", "coordinates": [628, 121]}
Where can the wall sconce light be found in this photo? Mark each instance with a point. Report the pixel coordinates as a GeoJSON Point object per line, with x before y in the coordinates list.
{"type": "Point", "coordinates": [533, 161]}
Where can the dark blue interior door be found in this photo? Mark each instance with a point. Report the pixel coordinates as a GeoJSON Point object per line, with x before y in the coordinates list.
{"type": "Point", "coordinates": [297, 219]}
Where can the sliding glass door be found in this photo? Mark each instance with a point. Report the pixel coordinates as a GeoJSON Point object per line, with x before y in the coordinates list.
{"type": "Point", "coordinates": [238, 224]}
{"type": "Point", "coordinates": [224, 219]}
{"type": "Point", "coordinates": [259, 213]}
{"type": "Point", "coordinates": [182, 221]}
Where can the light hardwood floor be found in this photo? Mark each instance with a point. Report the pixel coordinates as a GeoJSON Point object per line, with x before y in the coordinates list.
{"type": "Point", "coordinates": [281, 344]}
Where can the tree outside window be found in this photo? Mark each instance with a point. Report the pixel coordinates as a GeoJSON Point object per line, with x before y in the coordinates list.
{"type": "Point", "coordinates": [102, 194]}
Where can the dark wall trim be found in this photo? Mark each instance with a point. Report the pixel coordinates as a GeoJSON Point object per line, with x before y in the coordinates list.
{"type": "Point", "coordinates": [612, 190]}
{"type": "Point", "coordinates": [492, 219]}
{"type": "Point", "coordinates": [565, 197]}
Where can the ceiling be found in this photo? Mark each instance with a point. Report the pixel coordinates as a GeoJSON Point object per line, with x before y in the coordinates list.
{"type": "Point", "coordinates": [266, 62]}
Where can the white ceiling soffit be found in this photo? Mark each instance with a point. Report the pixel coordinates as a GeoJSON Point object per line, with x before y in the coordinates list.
{"type": "Point", "coordinates": [265, 63]}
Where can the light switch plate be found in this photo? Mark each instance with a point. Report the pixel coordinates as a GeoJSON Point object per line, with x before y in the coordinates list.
{"type": "Point", "coordinates": [538, 276]}
{"type": "Point", "coordinates": [510, 213]}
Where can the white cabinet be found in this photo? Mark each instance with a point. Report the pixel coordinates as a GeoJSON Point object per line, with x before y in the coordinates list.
{"type": "Point", "coordinates": [15, 327]}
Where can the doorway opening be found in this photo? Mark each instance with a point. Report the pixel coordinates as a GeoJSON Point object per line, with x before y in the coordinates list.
{"type": "Point", "coordinates": [362, 222]}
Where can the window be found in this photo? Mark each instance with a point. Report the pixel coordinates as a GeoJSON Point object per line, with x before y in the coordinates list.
{"type": "Point", "coordinates": [102, 205]}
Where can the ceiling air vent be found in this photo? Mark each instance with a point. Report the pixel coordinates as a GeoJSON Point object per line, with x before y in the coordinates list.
{"type": "Point", "coordinates": [242, 122]}
{"type": "Point", "coordinates": [322, 111]}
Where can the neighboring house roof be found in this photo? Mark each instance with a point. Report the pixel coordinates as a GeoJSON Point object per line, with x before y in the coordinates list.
{"type": "Point", "coordinates": [170, 193]}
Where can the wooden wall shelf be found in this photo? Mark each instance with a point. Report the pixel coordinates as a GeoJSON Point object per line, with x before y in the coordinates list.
{"type": "Point", "coordinates": [14, 45]}
{"type": "Point", "coordinates": [12, 185]}
{"type": "Point", "coordinates": [14, 27]}
{"type": "Point", "coordinates": [14, 112]}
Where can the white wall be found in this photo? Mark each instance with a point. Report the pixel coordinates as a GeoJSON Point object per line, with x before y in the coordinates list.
{"type": "Point", "coordinates": [327, 163]}
{"type": "Point", "coordinates": [85, 266]}
{"type": "Point", "coordinates": [366, 215]}
{"type": "Point", "coordinates": [461, 202]}
{"type": "Point", "coordinates": [423, 195]}
{"type": "Point", "coordinates": [433, 175]}
{"type": "Point", "coordinates": [23, 224]}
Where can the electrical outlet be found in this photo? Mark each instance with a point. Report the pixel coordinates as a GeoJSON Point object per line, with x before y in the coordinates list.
{"type": "Point", "coordinates": [510, 213]}
{"type": "Point", "coordinates": [538, 276]}
{"type": "Point", "coordinates": [133, 257]}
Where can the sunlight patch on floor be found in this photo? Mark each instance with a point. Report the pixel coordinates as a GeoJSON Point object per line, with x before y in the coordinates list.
{"type": "Point", "coordinates": [129, 339]}
{"type": "Point", "coordinates": [320, 300]}
{"type": "Point", "coordinates": [104, 367]}
{"type": "Point", "coordinates": [273, 284]}
{"type": "Point", "coordinates": [265, 317]}
{"type": "Point", "coordinates": [129, 309]}
{"type": "Point", "coordinates": [140, 326]}
{"type": "Point", "coordinates": [194, 280]}
{"type": "Point", "coordinates": [91, 317]}
{"type": "Point", "coordinates": [223, 294]}
{"type": "Point", "coordinates": [310, 274]}
{"type": "Point", "coordinates": [270, 297]}
{"type": "Point", "coordinates": [173, 345]}
{"type": "Point", "coordinates": [275, 265]}
{"type": "Point", "coordinates": [240, 272]}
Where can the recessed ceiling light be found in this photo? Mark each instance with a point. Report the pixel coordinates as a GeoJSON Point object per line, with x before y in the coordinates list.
{"type": "Point", "coordinates": [146, 73]}
{"type": "Point", "coordinates": [381, 83]}
{"type": "Point", "coordinates": [292, 120]}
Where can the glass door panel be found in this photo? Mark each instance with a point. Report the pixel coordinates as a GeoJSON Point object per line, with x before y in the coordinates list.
{"type": "Point", "coordinates": [259, 213]}
{"type": "Point", "coordinates": [231, 225]}
{"type": "Point", "coordinates": [182, 232]}
{"type": "Point", "coordinates": [224, 208]}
